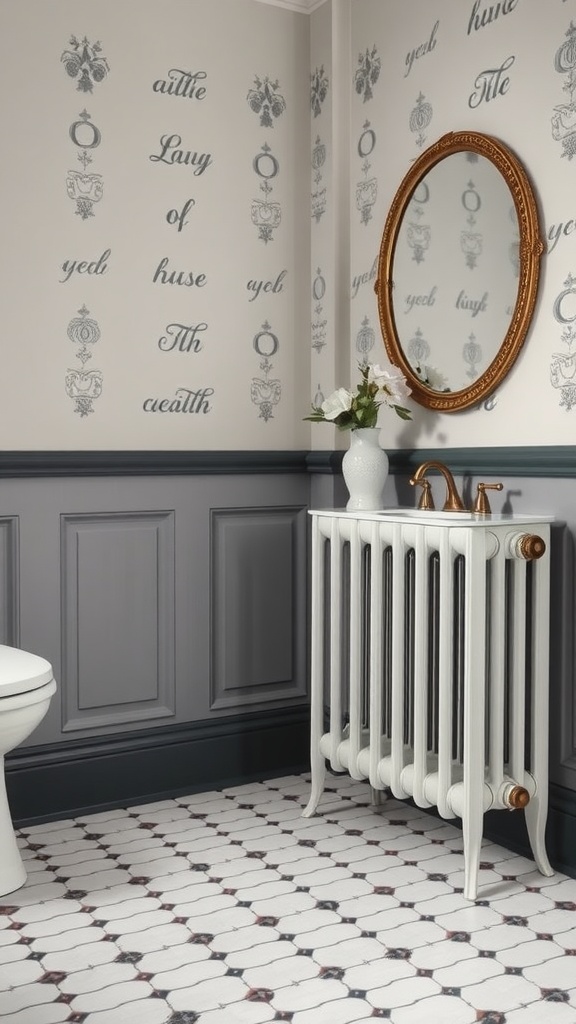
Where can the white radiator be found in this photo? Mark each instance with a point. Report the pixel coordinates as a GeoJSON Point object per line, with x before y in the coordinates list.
{"type": "Point", "coordinates": [430, 652]}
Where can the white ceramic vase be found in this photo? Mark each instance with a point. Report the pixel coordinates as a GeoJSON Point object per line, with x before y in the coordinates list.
{"type": "Point", "coordinates": [365, 470]}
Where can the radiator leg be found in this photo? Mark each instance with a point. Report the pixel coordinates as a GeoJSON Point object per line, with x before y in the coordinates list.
{"type": "Point", "coordinates": [536, 813]}
{"type": "Point", "coordinates": [377, 797]}
{"type": "Point", "coordinates": [474, 709]}
{"type": "Point", "coordinates": [472, 824]}
{"type": "Point", "coordinates": [318, 777]}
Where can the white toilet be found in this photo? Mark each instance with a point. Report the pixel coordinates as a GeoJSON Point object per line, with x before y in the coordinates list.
{"type": "Point", "coordinates": [26, 688]}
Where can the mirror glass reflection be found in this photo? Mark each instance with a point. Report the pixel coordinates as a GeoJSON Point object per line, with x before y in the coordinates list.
{"type": "Point", "coordinates": [455, 271]}
{"type": "Point", "coordinates": [458, 270]}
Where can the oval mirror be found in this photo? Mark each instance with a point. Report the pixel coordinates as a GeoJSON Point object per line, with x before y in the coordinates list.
{"type": "Point", "coordinates": [458, 270]}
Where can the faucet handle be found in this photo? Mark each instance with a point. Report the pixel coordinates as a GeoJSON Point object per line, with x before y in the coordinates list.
{"type": "Point", "coordinates": [482, 505]}
{"type": "Point", "coordinates": [426, 499]}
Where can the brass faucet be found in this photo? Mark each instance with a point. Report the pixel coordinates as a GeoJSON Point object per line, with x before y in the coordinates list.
{"type": "Point", "coordinates": [453, 501]}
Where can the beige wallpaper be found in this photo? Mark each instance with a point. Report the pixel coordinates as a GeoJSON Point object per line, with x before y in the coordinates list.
{"type": "Point", "coordinates": [419, 69]}
{"type": "Point", "coordinates": [155, 224]}
{"type": "Point", "coordinates": [193, 199]}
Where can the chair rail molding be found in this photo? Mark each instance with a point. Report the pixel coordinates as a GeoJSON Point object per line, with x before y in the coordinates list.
{"type": "Point", "coordinates": [546, 461]}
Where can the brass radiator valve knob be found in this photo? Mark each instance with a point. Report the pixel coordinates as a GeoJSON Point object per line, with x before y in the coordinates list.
{"type": "Point", "coordinates": [528, 546]}
{"type": "Point", "coordinates": [517, 798]}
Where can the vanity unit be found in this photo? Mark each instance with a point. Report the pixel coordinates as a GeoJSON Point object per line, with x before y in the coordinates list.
{"type": "Point", "coordinates": [430, 662]}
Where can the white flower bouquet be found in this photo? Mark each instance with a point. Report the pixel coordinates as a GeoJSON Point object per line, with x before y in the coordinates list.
{"type": "Point", "coordinates": [350, 410]}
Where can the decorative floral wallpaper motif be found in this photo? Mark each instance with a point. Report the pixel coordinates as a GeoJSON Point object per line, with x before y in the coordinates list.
{"type": "Point", "coordinates": [319, 85]}
{"type": "Point", "coordinates": [318, 398]}
{"type": "Point", "coordinates": [420, 118]}
{"type": "Point", "coordinates": [563, 365]}
{"type": "Point", "coordinates": [84, 189]}
{"type": "Point", "coordinates": [266, 100]}
{"type": "Point", "coordinates": [322, 219]}
{"type": "Point", "coordinates": [471, 240]}
{"type": "Point", "coordinates": [85, 62]}
{"type": "Point", "coordinates": [319, 320]}
{"type": "Point", "coordinates": [418, 234]}
{"type": "Point", "coordinates": [367, 73]}
{"type": "Point", "coordinates": [266, 392]}
{"type": "Point", "coordinates": [318, 197]}
{"type": "Point", "coordinates": [564, 118]}
{"type": "Point", "coordinates": [365, 341]}
{"type": "Point", "coordinates": [418, 350]}
{"type": "Point", "coordinates": [266, 214]}
{"type": "Point", "coordinates": [83, 386]}
{"type": "Point", "coordinates": [364, 79]}
{"type": "Point", "coordinates": [366, 190]}
{"type": "Point", "coordinates": [472, 356]}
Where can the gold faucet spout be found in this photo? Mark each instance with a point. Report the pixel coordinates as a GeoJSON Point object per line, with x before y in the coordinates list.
{"type": "Point", "coordinates": [453, 502]}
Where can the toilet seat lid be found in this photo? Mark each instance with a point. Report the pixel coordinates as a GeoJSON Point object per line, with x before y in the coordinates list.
{"type": "Point", "coordinates": [21, 672]}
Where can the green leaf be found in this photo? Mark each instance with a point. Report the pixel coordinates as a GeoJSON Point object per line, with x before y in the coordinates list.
{"type": "Point", "coordinates": [403, 413]}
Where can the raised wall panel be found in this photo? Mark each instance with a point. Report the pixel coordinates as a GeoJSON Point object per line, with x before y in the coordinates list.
{"type": "Point", "coordinates": [258, 576]}
{"type": "Point", "coordinates": [117, 618]}
{"type": "Point", "coordinates": [9, 584]}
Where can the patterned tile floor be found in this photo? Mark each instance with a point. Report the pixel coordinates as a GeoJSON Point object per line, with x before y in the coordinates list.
{"type": "Point", "coordinates": [231, 908]}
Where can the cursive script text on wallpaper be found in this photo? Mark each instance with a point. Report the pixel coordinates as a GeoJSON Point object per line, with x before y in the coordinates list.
{"type": "Point", "coordinates": [171, 153]}
{"type": "Point", "coordinates": [164, 275]}
{"type": "Point", "coordinates": [260, 286]}
{"type": "Point", "coordinates": [365, 278]}
{"type": "Point", "coordinates": [421, 50]}
{"type": "Point", "coordinates": [96, 267]}
{"type": "Point", "coordinates": [491, 83]}
{"type": "Point", "coordinates": [182, 338]}
{"type": "Point", "coordinates": [483, 14]}
{"type": "Point", "coordinates": [175, 149]}
{"type": "Point", "coordinates": [472, 306]}
{"type": "Point", "coordinates": [180, 217]}
{"type": "Point", "coordinates": [186, 84]}
{"type": "Point", "coordinates": [558, 231]}
{"type": "Point", "coordinates": [184, 400]}
{"type": "Point", "coordinates": [421, 300]}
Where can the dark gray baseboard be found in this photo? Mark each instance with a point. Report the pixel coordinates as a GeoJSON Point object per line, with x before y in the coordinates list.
{"type": "Point", "coordinates": [63, 780]}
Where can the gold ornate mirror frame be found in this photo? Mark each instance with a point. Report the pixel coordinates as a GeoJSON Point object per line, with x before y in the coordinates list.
{"type": "Point", "coordinates": [531, 247]}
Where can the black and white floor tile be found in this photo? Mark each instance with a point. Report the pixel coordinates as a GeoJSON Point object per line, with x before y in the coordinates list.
{"type": "Point", "coordinates": [231, 908]}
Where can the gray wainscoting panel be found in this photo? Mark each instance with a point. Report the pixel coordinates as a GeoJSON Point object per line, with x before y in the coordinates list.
{"type": "Point", "coordinates": [117, 618]}
{"type": "Point", "coordinates": [258, 576]}
{"type": "Point", "coordinates": [9, 581]}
